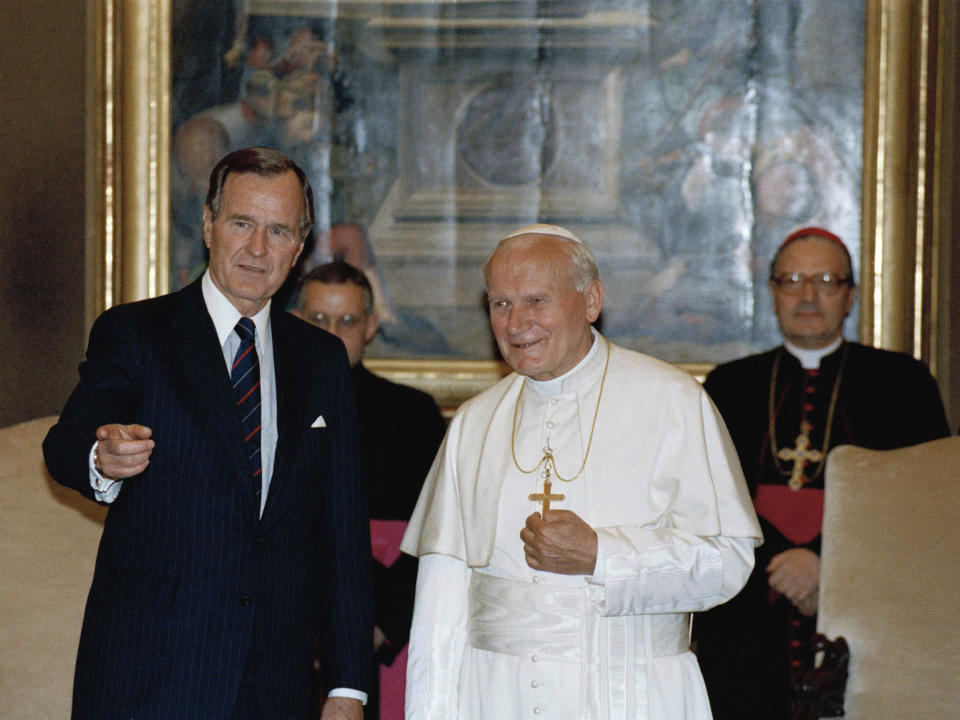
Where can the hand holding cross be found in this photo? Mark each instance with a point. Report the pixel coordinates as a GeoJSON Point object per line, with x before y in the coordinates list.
{"type": "Point", "coordinates": [545, 497]}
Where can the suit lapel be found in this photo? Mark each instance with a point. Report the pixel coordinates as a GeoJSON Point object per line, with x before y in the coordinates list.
{"type": "Point", "coordinates": [293, 389]}
{"type": "Point", "coordinates": [200, 365]}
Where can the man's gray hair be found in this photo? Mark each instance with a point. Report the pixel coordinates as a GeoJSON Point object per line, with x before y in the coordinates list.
{"type": "Point", "coordinates": [265, 162]}
{"type": "Point", "coordinates": [583, 265]}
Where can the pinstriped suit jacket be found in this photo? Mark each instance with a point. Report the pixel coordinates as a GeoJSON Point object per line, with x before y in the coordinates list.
{"type": "Point", "coordinates": [192, 593]}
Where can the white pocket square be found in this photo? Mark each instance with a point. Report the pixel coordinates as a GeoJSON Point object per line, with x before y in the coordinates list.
{"type": "Point", "coordinates": [319, 422]}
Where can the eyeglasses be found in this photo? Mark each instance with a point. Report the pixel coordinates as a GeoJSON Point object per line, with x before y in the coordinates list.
{"type": "Point", "coordinates": [823, 283]}
{"type": "Point", "coordinates": [345, 322]}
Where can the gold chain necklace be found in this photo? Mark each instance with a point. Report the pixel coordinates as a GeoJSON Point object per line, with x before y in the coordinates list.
{"type": "Point", "coordinates": [548, 460]}
{"type": "Point", "coordinates": [830, 414]}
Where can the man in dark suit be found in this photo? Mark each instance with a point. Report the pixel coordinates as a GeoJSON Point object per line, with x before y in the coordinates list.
{"type": "Point", "coordinates": [222, 432]}
{"type": "Point", "coordinates": [785, 410]}
{"type": "Point", "coordinates": [400, 432]}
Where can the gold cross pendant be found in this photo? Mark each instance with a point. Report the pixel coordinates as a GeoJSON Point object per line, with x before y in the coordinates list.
{"type": "Point", "coordinates": [801, 454]}
{"type": "Point", "coordinates": [545, 497]}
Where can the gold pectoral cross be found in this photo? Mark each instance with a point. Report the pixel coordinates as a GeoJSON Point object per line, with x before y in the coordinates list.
{"type": "Point", "coordinates": [801, 454]}
{"type": "Point", "coordinates": [545, 496]}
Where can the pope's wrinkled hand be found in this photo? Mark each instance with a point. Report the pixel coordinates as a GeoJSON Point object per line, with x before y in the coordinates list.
{"type": "Point", "coordinates": [123, 450]}
{"type": "Point", "coordinates": [561, 543]}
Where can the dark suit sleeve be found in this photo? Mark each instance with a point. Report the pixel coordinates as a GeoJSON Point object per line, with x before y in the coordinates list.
{"type": "Point", "coordinates": [108, 392]}
{"type": "Point", "coordinates": [346, 614]}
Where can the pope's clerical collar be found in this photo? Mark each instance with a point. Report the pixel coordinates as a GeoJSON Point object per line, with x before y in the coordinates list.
{"type": "Point", "coordinates": [554, 386]}
{"type": "Point", "coordinates": [810, 359]}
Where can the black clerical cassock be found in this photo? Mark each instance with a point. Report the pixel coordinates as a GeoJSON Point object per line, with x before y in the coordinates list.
{"type": "Point", "coordinates": [784, 420]}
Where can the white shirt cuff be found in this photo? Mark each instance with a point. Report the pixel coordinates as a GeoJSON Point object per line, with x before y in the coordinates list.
{"type": "Point", "coordinates": [104, 489]}
{"type": "Point", "coordinates": [348, 693]}
{"type": "Point", "coordinates": [599, 575]}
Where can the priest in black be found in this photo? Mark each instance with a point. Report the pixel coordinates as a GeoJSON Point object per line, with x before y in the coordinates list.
{"type": "Point", "coordinates": [785, 409]}
{"type": "Point", "coordinates": [400, 432]}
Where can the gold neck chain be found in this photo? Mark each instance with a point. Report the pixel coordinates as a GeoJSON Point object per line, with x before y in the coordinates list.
{"type": "Point", "coordinates": [830, 413]}
{"type": "Point", "coordinates": [548, 460]}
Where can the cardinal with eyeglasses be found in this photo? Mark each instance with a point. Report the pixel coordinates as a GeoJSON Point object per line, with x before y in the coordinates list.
{"type": "Point", "coordinates": [785, 409]}
{"type": "Point", "coordinates": [576, 514]}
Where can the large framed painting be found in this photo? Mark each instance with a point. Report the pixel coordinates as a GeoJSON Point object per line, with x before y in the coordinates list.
{"type": "Point", "coordinates": [681, 140]}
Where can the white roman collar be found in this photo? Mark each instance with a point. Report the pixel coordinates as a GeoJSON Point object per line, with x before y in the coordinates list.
{"type": "Point", "coordinates": [810, 359]}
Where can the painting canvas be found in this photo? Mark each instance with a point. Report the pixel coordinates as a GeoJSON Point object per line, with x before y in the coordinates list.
{"type": "Point", "coordinates": [681, 139]}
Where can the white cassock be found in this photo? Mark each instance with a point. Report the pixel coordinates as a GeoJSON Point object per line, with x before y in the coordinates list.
{"type": "Point", "coordinates": [662, 486]}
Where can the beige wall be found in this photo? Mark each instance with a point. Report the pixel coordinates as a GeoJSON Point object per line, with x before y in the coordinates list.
{"type": "Point", "coordinates": [41, 204]}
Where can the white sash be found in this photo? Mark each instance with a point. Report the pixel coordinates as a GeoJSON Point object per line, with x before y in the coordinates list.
{"type": "Point", "coordinates": [524, 618]}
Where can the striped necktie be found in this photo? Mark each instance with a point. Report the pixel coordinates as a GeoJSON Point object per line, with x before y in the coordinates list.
{"type": "Point", "coordinates": [245, 377]}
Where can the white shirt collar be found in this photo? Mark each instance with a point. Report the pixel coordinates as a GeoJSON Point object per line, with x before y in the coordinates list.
{"type": "Point", "coordinates": [225, 316]}
{"type": "Point", "coordinates": [810, 359]}
{"type": "Point", "coordinates": [554, 386]}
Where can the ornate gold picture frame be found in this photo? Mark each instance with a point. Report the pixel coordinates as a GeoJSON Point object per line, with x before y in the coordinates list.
{"type": "Point", "coordinates": [904, 244]}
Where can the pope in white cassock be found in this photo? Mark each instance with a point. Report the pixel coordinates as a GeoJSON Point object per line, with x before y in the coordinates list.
{"type": "Point", "coordinates": [577, 513]}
